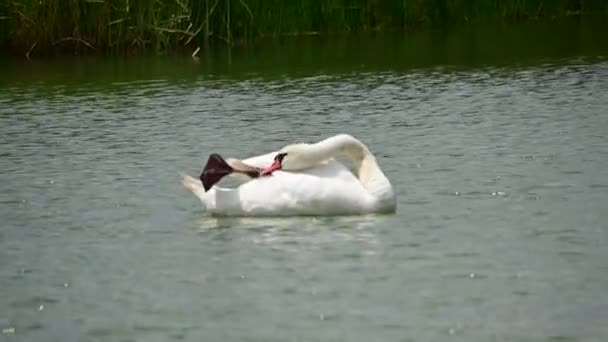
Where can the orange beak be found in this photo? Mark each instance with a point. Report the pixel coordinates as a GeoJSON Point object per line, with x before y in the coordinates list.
{"type": "Point", "coordinates": [269, 170]}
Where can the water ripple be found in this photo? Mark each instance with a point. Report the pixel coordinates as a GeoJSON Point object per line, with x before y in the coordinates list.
{"type": "Point", "coordinates": [500, 174]}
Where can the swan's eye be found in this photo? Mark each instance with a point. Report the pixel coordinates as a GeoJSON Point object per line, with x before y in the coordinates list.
{"type": "Point", "coordinates": [279, 157]}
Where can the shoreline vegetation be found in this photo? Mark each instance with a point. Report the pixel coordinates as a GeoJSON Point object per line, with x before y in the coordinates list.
{"type": "Point", "coordinates": [123, 27]}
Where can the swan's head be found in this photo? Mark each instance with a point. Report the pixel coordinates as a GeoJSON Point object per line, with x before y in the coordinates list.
{"type": "Point", "coordinates": [293, 158]}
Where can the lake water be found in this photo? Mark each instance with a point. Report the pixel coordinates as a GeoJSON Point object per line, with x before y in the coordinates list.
{"type": "Point", "coordinates": [495, 141]}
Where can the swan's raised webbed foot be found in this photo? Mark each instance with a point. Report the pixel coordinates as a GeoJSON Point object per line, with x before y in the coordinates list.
{"type": "Point", "coordinates": [217, 168]}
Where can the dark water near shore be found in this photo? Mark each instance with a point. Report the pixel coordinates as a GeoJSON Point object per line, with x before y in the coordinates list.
{"type": "Point", "coordinates": [498, 153]}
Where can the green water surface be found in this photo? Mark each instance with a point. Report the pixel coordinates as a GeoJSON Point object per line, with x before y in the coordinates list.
{"type": "Point", "coordinates": [494, 139]}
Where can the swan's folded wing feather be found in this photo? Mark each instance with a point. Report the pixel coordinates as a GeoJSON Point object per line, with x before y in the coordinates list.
{"type": "Point", "coordinates": [261, 161]}
{"type": "Point", "coordinates": [329, 189]}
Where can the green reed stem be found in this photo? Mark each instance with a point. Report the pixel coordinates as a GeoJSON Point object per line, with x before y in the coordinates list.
{"type": "Point", "coordinates": [123, 26]}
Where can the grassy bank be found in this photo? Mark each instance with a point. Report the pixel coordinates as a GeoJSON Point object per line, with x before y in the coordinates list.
{"type": "Point", "coordinates": [40, 27]}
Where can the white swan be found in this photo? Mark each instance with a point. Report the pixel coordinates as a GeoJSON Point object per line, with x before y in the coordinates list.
{"type": "Point", "coordinates": [303, 179]}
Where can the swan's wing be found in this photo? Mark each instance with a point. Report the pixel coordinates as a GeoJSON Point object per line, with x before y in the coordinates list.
{"type": "Point", "coordinates": [261, 161]}
{"type": "Point", "coordinates": [329, 189]}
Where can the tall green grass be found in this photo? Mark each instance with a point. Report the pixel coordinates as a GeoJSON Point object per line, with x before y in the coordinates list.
{"type": "Point", "coordinates": [35, 27]}
{"type": "Point", "coordinates": [83, 26]}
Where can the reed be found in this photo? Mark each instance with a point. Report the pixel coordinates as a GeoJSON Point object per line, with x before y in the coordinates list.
{"type": "Point", "coordinates": [34, 27]}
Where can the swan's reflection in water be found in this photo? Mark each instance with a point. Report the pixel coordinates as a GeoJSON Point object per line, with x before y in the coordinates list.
{"type": "Point", "coordinates": [294, 233]}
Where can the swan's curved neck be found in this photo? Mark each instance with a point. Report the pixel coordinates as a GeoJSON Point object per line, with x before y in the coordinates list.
{"type": "Point", "coordinates": [369, 173]}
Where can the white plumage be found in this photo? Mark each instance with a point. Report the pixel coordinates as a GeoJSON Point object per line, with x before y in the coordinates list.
{"type": "Point", "coordinates": [311, 182]}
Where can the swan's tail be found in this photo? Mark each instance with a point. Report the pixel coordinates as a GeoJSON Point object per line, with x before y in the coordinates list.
{"type": "Point", "coordinates": [193, 185]}
{"type": "Point", "coordinates": [207, 198]}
